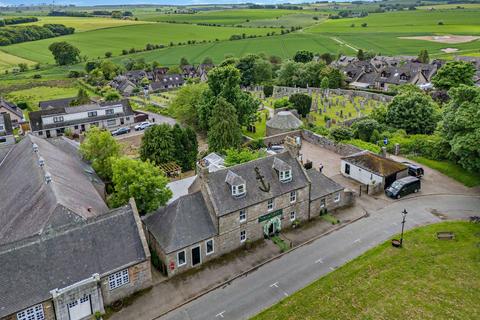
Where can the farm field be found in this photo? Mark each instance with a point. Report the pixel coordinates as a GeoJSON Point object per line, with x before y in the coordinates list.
{"type": "Point", "coordinates": [85, 24]}
{"type": "Point", "coordinates": [426, 279]}
{"type": "Point", "coordinates": [95, 43]}
{"type": "Point", "coordinates": [289, 20]}
{"type": "Point", "coordinates": [7, 61]}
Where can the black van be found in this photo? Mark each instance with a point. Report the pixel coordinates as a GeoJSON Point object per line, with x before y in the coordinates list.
{"type": "Point", "coordinates": [402, 187]}
{"type": "Point", "coordinates": [414, 170]}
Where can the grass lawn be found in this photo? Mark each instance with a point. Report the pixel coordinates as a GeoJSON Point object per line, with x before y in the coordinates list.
{"type": "Point", "coordinates": [95, 43]}
{"type": "Point", "coordinates": [427, 279]}
{"type": "Point", "coordinates": [260, 125]}
{"type": "Point", "coordinates": [34, 95]}
{"type": "Point", "coordinates": [453, 170]}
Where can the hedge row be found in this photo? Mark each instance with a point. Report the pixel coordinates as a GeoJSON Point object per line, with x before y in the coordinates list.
{"type": "Point", "coordinates": [11, 35]}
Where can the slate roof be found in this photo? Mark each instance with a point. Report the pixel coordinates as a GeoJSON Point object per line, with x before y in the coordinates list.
{"type": "Point", "coordinates": [28, 205]}
{"type": "Point", "coordinates": [11, 107]}
{"type": "Point", "coordinates": [375, 163]}
{"type": "Point", "coordinates": [284, 120]}
{"type": "Point", "coordinates": [56, 103]}
{"type": "Point", "coordinates": [321, 185]}
{"type": "Point", "coordinates": [36, 116]}
{"type": "Point", "coordinates": [182, 223]}
{"type": "Point", "coordinates": [31, 268]}
{"type": "Point", "coordinates": [221, 195]}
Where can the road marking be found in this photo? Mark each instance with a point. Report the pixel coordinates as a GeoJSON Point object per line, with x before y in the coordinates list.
{"type": "Point", "coordinates": [220, 314]}
{"type": "Point", "coordinates": [357, 241]}
{"type": "Point", "coordinates": [319, 261]}
{"type": "Point", "coordinates": [274, 285]}
{"type": "Point", "coordinates": [332, 268]}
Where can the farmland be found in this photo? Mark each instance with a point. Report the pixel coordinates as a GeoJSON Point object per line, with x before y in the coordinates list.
{"type": "Point", "coordinates": [427, 279]}
{"type": "Point", "coordinates": [85, 24]}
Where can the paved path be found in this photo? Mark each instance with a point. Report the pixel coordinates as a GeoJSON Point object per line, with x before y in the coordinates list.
{"type": "Point", "coordinates": [274, 281]}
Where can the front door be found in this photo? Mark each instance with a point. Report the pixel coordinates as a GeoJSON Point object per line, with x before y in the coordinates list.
{"type": "Point", "coordinates": [79, 309]}
{"type": "Point", "coordinates": [271, 229]}
{"type": "Point", "coordinates": [196, 256]}
{"type": "Point", "coordinates": [48, 134]}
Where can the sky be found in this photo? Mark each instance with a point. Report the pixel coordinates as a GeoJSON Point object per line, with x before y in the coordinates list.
{"type": "Point", "coordinates": [123, 2]}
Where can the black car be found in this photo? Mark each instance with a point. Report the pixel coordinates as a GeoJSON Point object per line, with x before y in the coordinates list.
{"type": "Point", "coordinates": [414, 170]}
{"type": "Point", "coordinates": [120, 131]}
{"type": "Point", "coordinates": [403, 187]}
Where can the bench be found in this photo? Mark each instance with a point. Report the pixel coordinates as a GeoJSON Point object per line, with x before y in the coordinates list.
{"type": "Point", "coordinates": [445, 235]}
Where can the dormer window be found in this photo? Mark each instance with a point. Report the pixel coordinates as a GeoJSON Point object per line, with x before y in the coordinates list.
{"type": "Point", "coordinates": [286, 176]}
{"type": "Point", "coordinates": [237, 184]}
{"type": "Point", "coordinates": [238, 191]}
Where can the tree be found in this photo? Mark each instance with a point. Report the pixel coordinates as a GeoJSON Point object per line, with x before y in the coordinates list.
{"type": "Point", "coordinates": [108, 54]}
{"type": "Point", "coordinates": [82, 98]}
{"type": "Point", "coordinates": [341, 133]}
{"type": "Point", "coordinates": [461, 126]}
{"type": "Point", "coordinates": [303, 56]}
{"type": "Point", "coordinates": [325, 84]}
{"type": "Point", "coordinates": [184, 62]}
{"type": "Point", "coordinates": [238, 156]}
{"type": "Point", "coordinates": [158, 144]}
{"type": "Point", "coordinates": [64, 53]}
{"type": "Point", "coordinates": [185, 103]}
{"type": "Point", "coordinates": [186, 147]}
{"type": "Point", "coordinates": [224, 132]}
{"type": "Point", "coordinates": [413, 111]}
{"type": "Point", "coordinates": [254, 70]}
{"type": "Point", "coordinates": [91, 65]}
{"type": "Point", "coordinates": [109, 69]}
{"type": "Point", "coordinates": [327, 57]}
{"type": "Point", "coordinates": [99, 147]}
{"type": "Point", "coordinates": [301, 102]}
{"type": "Point", "coordinates": [207, 60]}
{"type": "Point", "coordinates": [423, 56]}
{"type": "Point", "coordinates": [112, 95]}
{"type": "Point", "coordinates": [143, 181]}
{"type": "Point", "coordinates": [360, 55]}
{"type": "Point", "coordinates": [363, 129]}
{"type": "Point", "coordinates": [453, 74]}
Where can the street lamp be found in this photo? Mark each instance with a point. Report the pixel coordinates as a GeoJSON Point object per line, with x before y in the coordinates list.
{"type": "Point", "coordinates": [404, 212]}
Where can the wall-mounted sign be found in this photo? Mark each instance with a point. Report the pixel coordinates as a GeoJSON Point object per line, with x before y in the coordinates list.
{"type": "Point", "coordinates": [270, 215]}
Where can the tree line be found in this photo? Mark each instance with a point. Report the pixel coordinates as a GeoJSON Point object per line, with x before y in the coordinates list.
{"type": "Point", "coordinates": [18, 34]}
{"type": "Point", "coordinates": [16, 20]}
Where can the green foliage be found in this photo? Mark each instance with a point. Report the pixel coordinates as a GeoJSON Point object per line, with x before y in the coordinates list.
{"type": "Point", "coordinates": [108, 69]}
{"type": "Point", "coordinates": [321, 130]}
{"type": "Point", "coordinates": [364, 145]}
{"type": "Point", "coordinates": [341, 133]}
{"type": "Point", "coordinates": [99, 147]}
{"type": "Point", "coordinates": [454, 74]}
{"type": "Point", "coordinates": [268, 90]}
{"type": "Point", "coordinates": [143, 181]}
{"type": "Point", "coordinates": [17, 34]}
{"type": "Point", "coordinates": [112, 95]}
{"type": "Point", "coordinates": [64, 53]}
{"type": "Point", "coordinates": [303, 56]}
{"type": "Point", "coordinates": [282, 103]}
{"type": "Point", "coordinates": [325, 84]}
{"type": "Point", "coordinates": [224, 132]}
{"type": "Point", "coordinates": [423, 56]}
{"type": "Point", "coordinates": [186, 101]}
{"type": "Point", "coordinates": [311, 74]}
{"type": "Point", "coordinates": [82, 98]}
{"type": "Point", "coordinates": [412, 111]}
{"type": "Point", "coordinates": [431, 146]}
{"type": "Point", "coordinates": [301, 102]}
{"type": "Point", "coordinates": [282, 245]}
{"type": "Point", "coordinates": [186, 147]}
{"type": "Point", "coordinates": [254, 70]}
{"type": "Point", "coordinates": [237, 156]}
{"type": "Point", "coordinates": [363, 129]}
{"type": "Point", "coordinates": [461, 126]}
{"type": "Point", "coordinates": [184, 62]}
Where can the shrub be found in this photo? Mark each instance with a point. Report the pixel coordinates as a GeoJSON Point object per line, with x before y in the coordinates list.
{"type": "Point", "coordinates": [341, 134]}
{"type": "Point", "coordinates": [281, 103]}
{"type": "Point", "coordinates": [37, 76]}
{"type": "Point", "coordinates": [364, 145]}
{"type": "Point", "coordinates": [108, 54]}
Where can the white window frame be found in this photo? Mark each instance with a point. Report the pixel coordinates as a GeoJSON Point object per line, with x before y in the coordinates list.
{"type": "Point", "coordinates": [286, 176]}
{"type": "Point", "coordinates": [206, 247]}
{"type": "Point", "coordinates": [242, 213]}
{"type": "Point", "coordinates": [323, 203]}
{"type": "Point", "coordinates": [243, 236]}
{"type": "Point", "coordinates": [184, 258]}
{"type": "Point", "coordinates": [92, 114]}
{"type": "Point", "coordinates": [109, 112]}
{"type": "Point", "coordinates": [270, 204]}
{"type": "Point", "coordinates": [293, 196]}
{"type": "Point", "coordinates": [118, 279]}
{"type": "Point", "coordinates": [32, 313]}
{"type": "Point", "coordinates": [57, 119]}
{"type": "Point", "coordinates": [337, 197]}
{"type": "Point", "coordinates": [236, 190]}
{"type": "Point", "coordinates": [293, 216]}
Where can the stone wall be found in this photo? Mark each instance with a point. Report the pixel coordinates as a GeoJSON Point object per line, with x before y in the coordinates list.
{"type": "Point", "coordinates": [48, 312]}
{"type": "Point", "coordinates": [280, 92]}
{"type": "Point", "coordinates": [279, 138]}
{"type": "Point", "coordinates": [321, 141]}
{"type": "Point", "coordinates": [140, 278]}
{"type": "Point", "coordinates": [347, 198]}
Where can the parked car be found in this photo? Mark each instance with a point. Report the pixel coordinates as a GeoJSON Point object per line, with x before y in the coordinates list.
{"type": "Point", "coordinates": [120, 131]}
{"type": "Point", "coordinates": [414, 170]}
{"type": "Point", "coordinates": [403, 187]}
{"type": "Point", "coordinates": [142, 126]}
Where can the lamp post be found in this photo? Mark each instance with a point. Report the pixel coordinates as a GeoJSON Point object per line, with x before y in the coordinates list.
{"type": "Point", "coordinates": [404, 212]}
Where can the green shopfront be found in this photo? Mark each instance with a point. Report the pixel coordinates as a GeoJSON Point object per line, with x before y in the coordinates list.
{"type": "Point", "coordinates": [271, 222]}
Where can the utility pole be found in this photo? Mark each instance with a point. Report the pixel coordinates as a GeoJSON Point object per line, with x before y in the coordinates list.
{"type": "Point", "coordinates": [404, 212]}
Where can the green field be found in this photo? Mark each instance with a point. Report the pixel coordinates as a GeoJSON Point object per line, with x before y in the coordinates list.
{"type": "Point", "coordinates": [95, 43]}
{"type": "Point", "coordinates": [85, 24]}
{"type": "Point", "coordinates": [34, 95]}
{"type": "Point", "coordinates": [426, 279]}
{"type": "Point", "coordinates": [7, 61]}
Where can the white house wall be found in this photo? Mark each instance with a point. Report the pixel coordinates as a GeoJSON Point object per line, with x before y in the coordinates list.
{"type": "Point", "coordinates": [82, 115]}
{"type": "Point", "coordinates": [361, 175]}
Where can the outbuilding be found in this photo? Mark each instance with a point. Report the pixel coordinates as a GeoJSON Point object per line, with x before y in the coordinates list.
{"type": "Point", "coordinates": [283, 121]}
{"type": "Point", "coordinates": [372, 169]}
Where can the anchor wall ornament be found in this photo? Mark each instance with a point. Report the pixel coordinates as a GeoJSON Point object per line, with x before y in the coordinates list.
{"type": "Point", "coordinates": [265, 187]}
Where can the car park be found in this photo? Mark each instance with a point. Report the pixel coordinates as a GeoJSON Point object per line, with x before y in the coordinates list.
{"type": "Point", "coordinates": [120, 131]}
{"type": "Point", "coordinates": [414, 170]}
{"type": "Point", "coordinates": [403, 187]}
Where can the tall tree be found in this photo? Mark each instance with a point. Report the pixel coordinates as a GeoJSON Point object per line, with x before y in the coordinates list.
{"type": "Point", "coordinates": [224, 132]}
{"type": "Point", "coordinates": [82, 98]}
{"type": "Point", "coordinates": [143, 181]}
{"type": "Point", "coordinates": [99, 147]}
{"type": "Point", "coordinates": [454, 74]}
{"type": "Point", "coordinates": [301, 102]}
{"type": "Point", "coordinates": [185, 103]}
{"type": "Point", "coordinates": [461, 125]}
{"type": "Point", "coordinates": [423, 56]}
{"type": "Point", "coordinates": [360, 55]}
{"type": "Point", "coordinates": [64, 53]}
{"type": "Point", "coordinates": [186, 147]}
{"type": "Point", "coordinates": [158, 144]}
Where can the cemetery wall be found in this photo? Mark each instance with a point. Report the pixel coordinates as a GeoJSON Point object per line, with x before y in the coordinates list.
{"type": "Point", "coordinates": [279, 138]}
{"type": "Point", "coordinates": [280, 92]}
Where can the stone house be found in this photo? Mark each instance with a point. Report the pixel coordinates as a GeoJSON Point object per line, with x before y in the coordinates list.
{"type": "Point", "coordinates": [63, 253]}
{"type": "Point", "coordinates": [372, 169]}
{"type": "Point", "coordinates": [15, 113]}
{"type": "Point", "coordinates": [6, 130]}
{"type": "Point", "coordinates": [53, 122]}
{"type": "Point", "coordinates": [226, 208]}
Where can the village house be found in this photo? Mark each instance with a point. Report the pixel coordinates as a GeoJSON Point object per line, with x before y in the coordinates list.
{"type": "Point", "coordinates": [64, 254]}
{"type": "Point", "coordinates": [376, 171]}
{"type": "Point", "coordinates": [53, 122]}
{"type": "Point", "coordinates": [6, 130]}
{"type": "Point", "coordinates": [228, 207]}
{"type": "Point", "coordinates": [15, 113]}
{"type": "Point", "coordinates": [166, 82]}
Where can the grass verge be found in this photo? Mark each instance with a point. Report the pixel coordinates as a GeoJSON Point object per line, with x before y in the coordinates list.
{"type": "Point", "coordinates": [427, 279]}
